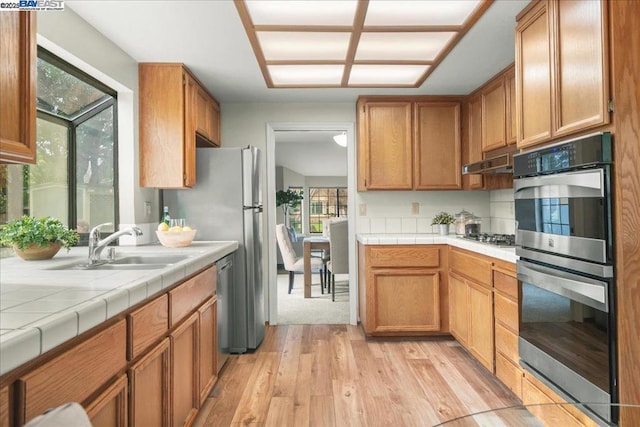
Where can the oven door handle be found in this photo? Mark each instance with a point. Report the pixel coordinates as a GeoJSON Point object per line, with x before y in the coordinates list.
{"type": "Point", "coordinates": [569, 184]}
{"type": "Point", "coordinates": [591, 292]}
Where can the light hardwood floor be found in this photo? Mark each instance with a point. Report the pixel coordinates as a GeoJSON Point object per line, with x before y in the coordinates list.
{"type": "Point", "coordinates": [330, 375]}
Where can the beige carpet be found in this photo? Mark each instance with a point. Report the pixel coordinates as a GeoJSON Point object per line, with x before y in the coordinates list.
{"type": "Point", "coordinates": [294, 309]}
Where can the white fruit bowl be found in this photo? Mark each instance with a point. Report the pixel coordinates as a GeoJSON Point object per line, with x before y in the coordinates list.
{"type": "Point", "coordinates": [176, 239]}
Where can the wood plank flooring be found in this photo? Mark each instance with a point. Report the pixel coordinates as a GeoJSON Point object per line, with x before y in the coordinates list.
{"type": "Point", "coordinates": [330, 375]}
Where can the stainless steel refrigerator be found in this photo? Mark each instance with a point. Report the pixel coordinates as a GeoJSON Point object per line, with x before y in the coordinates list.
{"type": "Point", "coordinates": [226, 204]}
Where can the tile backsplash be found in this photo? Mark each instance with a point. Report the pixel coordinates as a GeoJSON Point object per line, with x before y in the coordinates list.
{"type": "Point", "coordinates": [393, 213]}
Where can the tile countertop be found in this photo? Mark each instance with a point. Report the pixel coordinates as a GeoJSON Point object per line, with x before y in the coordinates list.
{"type": "Point", "coordinates": [41, 307]}
{"type": "Point", "coordinates": [505, 254]}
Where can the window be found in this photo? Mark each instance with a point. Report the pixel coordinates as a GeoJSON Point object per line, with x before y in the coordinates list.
{"type": "Point", "coordinates": [325, 203]}
{"type": "Point", "coordinates": [75, 177]}
{"type": "Point", "coordinates": [295, 214]}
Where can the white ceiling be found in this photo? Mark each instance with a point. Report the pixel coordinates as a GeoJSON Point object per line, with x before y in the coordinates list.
{"type": "Point", "coordinates": [208, 36]}
{"type": "Point", "coordinates": [311, 153]}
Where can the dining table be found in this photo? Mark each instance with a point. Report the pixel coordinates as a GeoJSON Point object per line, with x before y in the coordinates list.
{"type": "Point", "coordinates": [309, 244]}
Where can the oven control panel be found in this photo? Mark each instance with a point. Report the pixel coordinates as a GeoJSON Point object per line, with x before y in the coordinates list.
{"type": "Point", "coordinates": [583, 152]}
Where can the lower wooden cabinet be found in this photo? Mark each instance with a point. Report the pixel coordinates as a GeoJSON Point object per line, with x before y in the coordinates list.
{"type": "Point", "coordinates": [208, 346]}
{"type": "Point", "coordinates": [4, 406]}
{"type": "Point", "coordinates": [110, 408]}
{"type": "Point", "coordinates": [185, 373]}
{"type": "Point", "coordinates": [458, 312]}
{"type": "Point", "coordinates": [480, 342]}
{"type": "Point", "coordinates": [402, 290]}
{"type": "Point", "coordinates": [149, 394]}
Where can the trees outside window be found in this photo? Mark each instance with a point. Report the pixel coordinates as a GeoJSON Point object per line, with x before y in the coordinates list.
{"type": "Point", "coordinates": [325, 203]}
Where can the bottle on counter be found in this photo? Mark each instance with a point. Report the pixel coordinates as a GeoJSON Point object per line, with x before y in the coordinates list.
{"type": "Point", "coordinates": [166, 218]}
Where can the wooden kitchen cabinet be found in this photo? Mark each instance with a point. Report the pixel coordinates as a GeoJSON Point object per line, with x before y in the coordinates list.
{"type": "Point", "coordinates": [409, 143]}
{"type": "Point", "coordinates": [74, 375]}
{"type": "Point", "coordinates": [494, 115]}
{"type": "Point", "coordinates": [437, 154]}
{"type": "Point", "coordinates": [207, 116]}
{"type": "Point", "coordinates": [385, 145]}
{"type": "Point", "coordinates": [510, 86]}
{"type": "Point", "coordinates": [149, 389]}
{"type": "Point", "coordinates": [208, 346]}
{"type": "Point", "coordinates": [185, 372]}
{"type": "Point", "coordinates": [110, 408]}
{"type": "Point", "coordinates": [562, 68]}
{"type": "Point", "coordinates": [169, 98]}
{"type": "Point", "coordinates": [402, 290]}
{"type": "Point", "coordinates": [474, 143]}
{"type": "Point", "coordinates": [18, 87]}
{"type": "Point", "coordinates": [4, 406]}
{"type": "Point", "coordinates": [471, 303]}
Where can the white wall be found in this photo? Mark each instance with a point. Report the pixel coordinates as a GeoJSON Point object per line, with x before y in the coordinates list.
{"type": "Point", "coordinates": [70, 37]}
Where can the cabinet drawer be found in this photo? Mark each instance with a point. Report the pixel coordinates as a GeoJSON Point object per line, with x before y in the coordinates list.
{"type": "Point", "coordinates": [470, 266]}
{"type": "Point", "coordinates": [404, 256]}
{"type": "Point", "coordinates": [186, 297]}
{"type": "Point", "coordinates": [74, 375]}
{"type": "Point", "coordinates": [146, 325]}
{"type": "Point", "coordinates": [510, 374]}
{"type": "Point", "coordinates": [506, 312]}
{"type": "Point", "coordinates": [507, 343]}
{"type": "Point", "coordinates": [542, 407]}
{"type": "Point", "coordinates": [506, 284]}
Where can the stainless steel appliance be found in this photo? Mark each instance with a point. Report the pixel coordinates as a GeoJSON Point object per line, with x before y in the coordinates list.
{"type": "Point", "coordinates": [224, 292]}
{"type": "Point", "coordinates": [226, 204]}
{"type": "Point", "coordinates": [500, 240]}
{"type": "Point", "coordinates": [564, 239]}
{"type": "Point", "coordinates": [501, 161]}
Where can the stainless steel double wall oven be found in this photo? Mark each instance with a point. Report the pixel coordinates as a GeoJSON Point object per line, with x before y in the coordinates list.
{"type": "Point", "coordinates": [564, 238]}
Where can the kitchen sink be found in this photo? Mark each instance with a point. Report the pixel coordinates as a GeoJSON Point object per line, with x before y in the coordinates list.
{"type": "Point", "coordinates": [134, 262]}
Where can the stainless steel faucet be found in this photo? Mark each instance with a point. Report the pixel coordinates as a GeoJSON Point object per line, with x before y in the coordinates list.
{"type": "Point", "coordinates": [96, 245]}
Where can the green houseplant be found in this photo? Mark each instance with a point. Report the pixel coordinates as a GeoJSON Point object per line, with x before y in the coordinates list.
{"type": "Point", "coordinates": [37, 238]}
{"type": "Point", "coordinates": [443, 219]}
{"type": "Point", "coordinates": [288, 199]}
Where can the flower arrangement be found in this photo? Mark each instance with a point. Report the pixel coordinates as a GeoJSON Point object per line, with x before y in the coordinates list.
{"type": "Point", "coordinates": [443, 218]}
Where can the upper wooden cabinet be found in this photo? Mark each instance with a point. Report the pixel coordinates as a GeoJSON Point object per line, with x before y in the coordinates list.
{"type": "Point", "coordinates": [174, 112]}
{"type": "Point", "coordinates": [494, 115]}
{"type": "Point", "coordinates": [474, 139]}
{"type": "Point", "coordinates": [18, 87]}
{"type": "Point", "coordinates": [409, 143]}
{"type": "Point", "coordinates": [510, 86]}
{"type": "Point", "coordinates": [562, 69]}
{"type": "Point", "coordinates": [437, 157]}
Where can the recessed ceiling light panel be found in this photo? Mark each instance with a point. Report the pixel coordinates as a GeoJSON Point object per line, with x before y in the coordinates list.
{"type": "Point", "coordinates": [418, 13]}
{"type": "Point", "coordinates": [291, 12]}
{"type": "Point", "coordinates": [303, 75]}
{"type": "Point", "coordinates": [284, 45]}
{"type": "Point", "coordinates": [402, 46]}
{"type": "Point", "coordinates": [386, 74]}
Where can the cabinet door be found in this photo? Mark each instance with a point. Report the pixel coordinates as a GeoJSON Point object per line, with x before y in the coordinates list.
{"type": "Point", "coordinates": [190, 119]}
{"type": "Point", "coordinates": [405, 300]}
{"type": "Point", "coordinates": [385, 149]}
{"type": "Point", "coordinates": [208, 347]}
{"type": "Point", "coordinates": [110, 408]}
{"type": "Point", "coordinates": [149, 395]}
{"type": "Point", "coordinates": [185, 372]}
{"type": "Point", "coordinates": [475, 139]}
{"type": "Point", "coordinates": [213, 115]}
{"type": "Point", "coordinates": [493, 115]}
{"type": "Point", "coordinates": [437, 157]}
{"type": "Point", "coordinates": [581, 72]}
{"type": "Point", "coordinates": [202, 110]}
{"type": "Point", "coordinates": [510, 85]}
{"type": "Point", "coordinates": [533, 71]}
{"type": "Point", "coordinates": [459, 308]}
{"type": "Point", "coordinates": [4, 406]}
{"type": "Point", "coordinates": [480, 342]}
{"type": "Point", "coordinates": [18, 87]}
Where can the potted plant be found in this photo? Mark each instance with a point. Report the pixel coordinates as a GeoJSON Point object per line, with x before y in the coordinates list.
{"type": "Point", "coordinates": [37, 238]}
{"type": "Point", "coordinates": [288, 199]}
{"type": "Point", "coordinates": [443, 219]}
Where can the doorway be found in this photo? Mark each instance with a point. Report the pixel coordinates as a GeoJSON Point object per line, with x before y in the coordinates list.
{"type": "Point", "coordinates": [319, 179]}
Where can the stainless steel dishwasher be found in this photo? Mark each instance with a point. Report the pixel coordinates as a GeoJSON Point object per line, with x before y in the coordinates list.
{"type": "Point", "coordinates": [225, 307]}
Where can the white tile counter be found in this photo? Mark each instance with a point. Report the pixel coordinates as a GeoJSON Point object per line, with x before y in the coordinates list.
{"type": "Point", "coordinates": [41, 307]}
{"type": "Point", "coordinates": [505, 254]}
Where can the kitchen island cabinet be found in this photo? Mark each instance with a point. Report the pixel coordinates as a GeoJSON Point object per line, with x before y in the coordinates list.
{"type": "Point", "coordinates": [174, 117]}
{"type": "Point", "coordinates": [401, 290]}
{"type": "Point", "coordinates": [18, 87]}
{"type": "Point", "coordinates": [562, 62]}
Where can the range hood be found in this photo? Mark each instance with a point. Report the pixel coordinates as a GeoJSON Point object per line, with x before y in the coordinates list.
{"type": "Point", "coordinates": [502, 163]}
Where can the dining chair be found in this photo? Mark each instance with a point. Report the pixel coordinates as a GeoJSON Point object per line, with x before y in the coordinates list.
{"type": "Point", "coordinates": [339, 247]}
{"type": "Point", "coordinates": [292, 262]}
